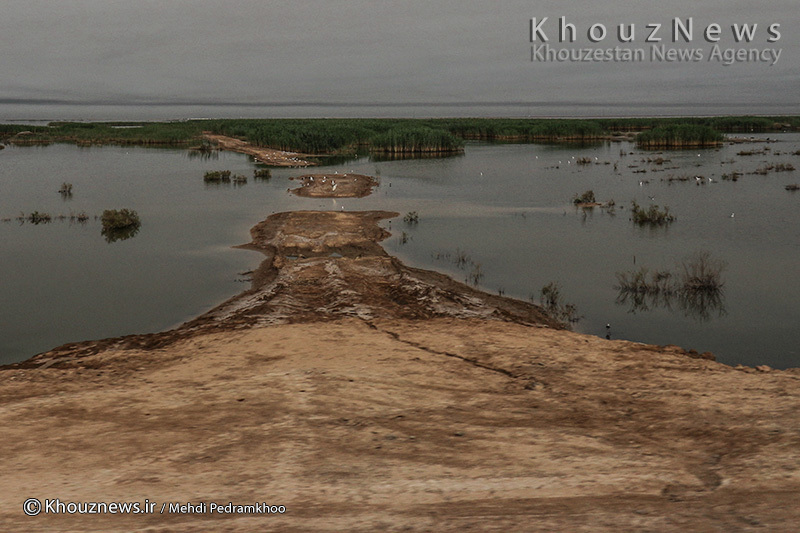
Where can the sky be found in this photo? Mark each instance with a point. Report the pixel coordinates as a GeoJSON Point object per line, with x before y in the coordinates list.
{"type": "Point", "coordinates": [377, 52]}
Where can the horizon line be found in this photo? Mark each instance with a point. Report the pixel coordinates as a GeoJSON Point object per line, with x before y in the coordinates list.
{"type": "Point", "coordinates": [311, 103]}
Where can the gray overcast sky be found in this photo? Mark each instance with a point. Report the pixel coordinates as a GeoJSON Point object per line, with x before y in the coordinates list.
{"type": "Point", "coordinates": [357, 51]}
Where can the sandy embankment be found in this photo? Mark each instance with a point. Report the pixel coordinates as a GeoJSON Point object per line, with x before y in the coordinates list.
{"type": "Point", "coordinates": [365, 395]}
{"type": "Point", "coordinates": [268, 156]}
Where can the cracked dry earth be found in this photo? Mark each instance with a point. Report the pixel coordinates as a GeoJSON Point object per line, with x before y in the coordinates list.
{"type": "Point", "coordinates": [364, 395]}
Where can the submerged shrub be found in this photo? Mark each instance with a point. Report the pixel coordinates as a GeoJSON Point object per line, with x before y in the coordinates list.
{"type": "Point", "coordinates": [39, 218]}
{"type": "Point", "coordinates": [696, 288]}
{"type": "Point", "coordinates": [701, 273]}
{"type": "Point", "coordinates": [411, 217]}
{"type": "Point", "coordinates": [585, 198]}
{"type": "Point", "coordinates": [119, 218]}
{"type": "Point", "coordinates": [552, 302]}
{"type": "Point", "coordinates": [217, 176]}
{"type": "Point", "coordinates": [652, 216]}
{"type": "Point", "coordinates": [119, 225]}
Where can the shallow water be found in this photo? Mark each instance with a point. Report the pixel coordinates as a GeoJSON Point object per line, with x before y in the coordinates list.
{"type": "Point", "coordinates": [506, 206]}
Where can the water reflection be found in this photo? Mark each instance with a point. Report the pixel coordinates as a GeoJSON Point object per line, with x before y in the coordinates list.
{"type": "Point", "coordinates": [701, 306]}
{"type": "Point", "coordinates": [696, 290]}
{"type": "Point", "coordinates": [400, 156]}
{"type": "Point", "coordinates": [202, 154]}
{"type": "Point", "coordinates": [119, 234]}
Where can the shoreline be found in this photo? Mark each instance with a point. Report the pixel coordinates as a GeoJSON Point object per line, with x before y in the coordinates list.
{"type": "Point", "coordinates": [299, 244]}
{"type": "Point", "coordinates": [267, 156]}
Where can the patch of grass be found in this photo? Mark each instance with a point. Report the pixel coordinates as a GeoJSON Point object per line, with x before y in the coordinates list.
{"type": "Point", "coordinates": [701, 273]}
{"type": "Point", "coordinates": [585, 198]}
{"type": "Point", "coordinates": [652, 216]}
{"type": "Point", "coordinates": [412, 217]}
{"type": "Point", "coordinates": [475, 275]}
{"type": "Point", "coordinates": [217, 176]}
{"type": "Point", "coordinates": [119, 219]}
{"type": "Point", "coordinates": [552, 302]}
{"type": "Point", "coordinates": [119, 224]}
{"type": "Point", "coordinates": [262, 173]}
{"type": "Point", "coordinates": [696, 288]}
{"type": "Point", "coordinates": [733, 176]}
{"type": "Point", "coordinates": [774, 167]}
{"type": "Point", "coordinates": [39, 218]}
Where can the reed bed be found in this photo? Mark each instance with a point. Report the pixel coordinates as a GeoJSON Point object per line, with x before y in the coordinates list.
{"type": "Point", "coordinates": [330, 136]}
{"type": "Point", "coordinates": [679, 136]}
{"type": "Point", "coordinates": [651, 216]}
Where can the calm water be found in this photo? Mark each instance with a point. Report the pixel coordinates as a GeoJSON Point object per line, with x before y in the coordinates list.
{"type": "Point", "coordinates": [44, 113]}
{"type": "Point", "coordinates": [506, 206]}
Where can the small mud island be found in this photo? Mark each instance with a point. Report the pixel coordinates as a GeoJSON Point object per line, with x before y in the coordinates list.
{"type": "Point", "coordinates": [365, 395]}
{"type": "Point", "coordinates": [334, 185]}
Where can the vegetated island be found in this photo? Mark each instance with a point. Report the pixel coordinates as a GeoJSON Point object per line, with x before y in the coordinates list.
{"type": "Point", "coordinates": [363, 394]}
{"type": "Point", "coordinates": [264, 139]}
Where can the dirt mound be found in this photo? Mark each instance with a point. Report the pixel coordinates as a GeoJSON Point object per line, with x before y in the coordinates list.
{"type": "Point", "coordinates": [335, 185]}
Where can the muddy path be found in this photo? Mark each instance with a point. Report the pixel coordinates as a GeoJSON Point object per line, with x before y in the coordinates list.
{"type": "Point", "coordinates": [268, 156]}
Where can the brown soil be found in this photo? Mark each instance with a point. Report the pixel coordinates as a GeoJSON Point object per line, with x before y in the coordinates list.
{"type": "Point", "coordinates": [335, 185]}
{"type": "Point", "coordinates": [268, 156]}
{"type": "Point", "coordinates": [365, 395]}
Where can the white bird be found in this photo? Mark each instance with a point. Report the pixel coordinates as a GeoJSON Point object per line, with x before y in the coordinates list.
{"type": "Point", "coordinates": [334, 188]}
{"type": "Point", "coordinates": [732, 215]}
